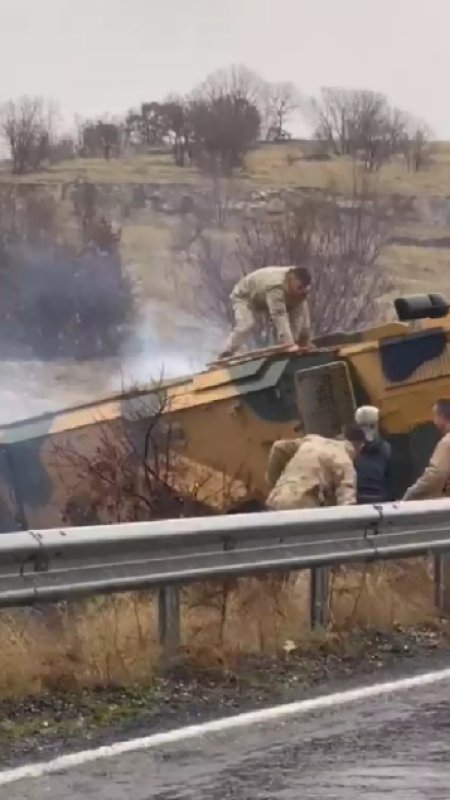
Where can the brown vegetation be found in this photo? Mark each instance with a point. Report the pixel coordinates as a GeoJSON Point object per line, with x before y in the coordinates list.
{"type": "Point", "coordinates": [362, 125]}
{"type": "Point", "coordinates": [214, 126]}
{"type": "Point", "coordinates": [113, 640]}
{"type": "Point", "coordinates": [135, 475]}
{"type": "Point", "coordinates": [340, 240]}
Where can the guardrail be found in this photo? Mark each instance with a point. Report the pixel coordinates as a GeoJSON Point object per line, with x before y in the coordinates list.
{"type": "Point", "coordinates": [65, 564]}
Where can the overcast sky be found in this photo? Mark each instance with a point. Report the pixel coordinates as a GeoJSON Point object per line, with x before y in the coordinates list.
{"type": "Point", "coordinates": [107, 55]}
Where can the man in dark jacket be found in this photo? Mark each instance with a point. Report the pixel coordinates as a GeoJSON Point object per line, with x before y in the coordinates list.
{"type": "Point", "coordinates": [373, 463]}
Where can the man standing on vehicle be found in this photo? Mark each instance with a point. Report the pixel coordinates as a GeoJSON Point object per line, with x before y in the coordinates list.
{"type": "Point", "coordinates": [435, 480]}
{"type": "Point", "coordinates": [314, 471]}
{"type": "Point", "coordinates": [281, 294]}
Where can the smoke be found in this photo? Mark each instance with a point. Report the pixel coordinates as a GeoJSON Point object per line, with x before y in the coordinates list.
{"type": "Point", "coordinates": [163, 342]}
{"type": "Point", "coordinates": [72, 331]}
{"type": "Point", "coordinates": [168, 342]}
{"type": "Point", "coordinates": [54, 304]}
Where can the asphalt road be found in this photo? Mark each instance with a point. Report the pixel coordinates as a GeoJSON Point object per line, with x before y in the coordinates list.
{"type": "Point", "coordinates": [395, 746]}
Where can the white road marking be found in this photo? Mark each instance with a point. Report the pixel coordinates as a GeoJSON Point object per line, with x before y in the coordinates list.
{"type": "Point", "coordinates": [220, 725]}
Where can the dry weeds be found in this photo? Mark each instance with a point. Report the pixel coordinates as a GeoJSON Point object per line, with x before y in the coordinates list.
{"type": "Point", "coordinates": [283, 165]}
{"type": "Point", "coordinates": [112, 641]}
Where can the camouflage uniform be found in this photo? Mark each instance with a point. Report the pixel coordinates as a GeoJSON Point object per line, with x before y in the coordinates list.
{"type": "Point", "coordinates": [435, 481]}
{"type": "Point", "coordinates": [264, 291]}
{"type": "Point", "coordinates": [311, 472]}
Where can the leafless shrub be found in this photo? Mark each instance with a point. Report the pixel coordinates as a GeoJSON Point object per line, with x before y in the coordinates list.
{"type": "Point", "coordinates": [27, 126]}
{"type": "Point", "coordinates": [416, 144]}
{"type": "Point", "coordinates": [340, 242]}
{"type": "Point", "coordinates": [137, 473]}
{"type": "Point", "coordinates": [237, 81]}
{"type": "Point", "coordinates": [340, 238]}
{"type": "Point", "coordinates": [224, 129]}
{"type": "Point", "coordinates": [280, 102]}
{"type": "Point", "coordinates": [163, 123]}
{"type": "Point", "coordinates": [358, 123]}
{"type": "Point", "coordinates": [101, 139]}
{"type": "Point", "coordinates": [63, 148]}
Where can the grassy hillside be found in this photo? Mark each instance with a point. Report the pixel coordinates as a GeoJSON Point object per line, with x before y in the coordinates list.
{"type": "Point", "coordinates": [270, 165]}
{"type": "Point", "coordinates": [419, 261]}
{"type": "Point", "coordinates": [417, 257]}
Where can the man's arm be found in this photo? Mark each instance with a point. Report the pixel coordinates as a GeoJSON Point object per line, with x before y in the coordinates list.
{"type": "Point", "coordinates": [276, 305]}
{"type": "Point", "coordinates": [345, 481]}
{"type": "Point", "coordinates": [300, 322]}
{"type": "Point", "coordinates": [433, 479]}
{"type": "Point", "coordinates": [279, 457]}
{"type": "Point", "coordinates": [388, 472]}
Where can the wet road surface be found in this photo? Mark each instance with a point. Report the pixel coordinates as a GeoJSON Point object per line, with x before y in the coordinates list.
{"type": "Point", "coordinates": [395, 746]}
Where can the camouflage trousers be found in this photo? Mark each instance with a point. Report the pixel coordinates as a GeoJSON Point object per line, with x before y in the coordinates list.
{"type": "Point", "coordinates": [290, 578]}
{"type": "Point", "coordinates": [245, 321]}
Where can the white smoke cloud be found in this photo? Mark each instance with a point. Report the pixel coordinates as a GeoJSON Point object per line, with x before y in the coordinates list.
{"type": "Point", "coordinates": [181, 347]}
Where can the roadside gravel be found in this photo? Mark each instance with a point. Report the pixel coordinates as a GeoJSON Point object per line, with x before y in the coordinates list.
{"type": "Point", "coordinates": [37, 728]}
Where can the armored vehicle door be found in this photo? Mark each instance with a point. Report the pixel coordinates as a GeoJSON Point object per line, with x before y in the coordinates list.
{"type": "Point", "coordinates": [325, 399]}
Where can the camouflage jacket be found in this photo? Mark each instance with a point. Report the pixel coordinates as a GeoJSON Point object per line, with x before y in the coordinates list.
{"type": "Point", "coordinates": [435, 480]}
{"type": "Point", "coordinates": [311, 471]}
{"type": "Point", "coordinates": [264, 290]}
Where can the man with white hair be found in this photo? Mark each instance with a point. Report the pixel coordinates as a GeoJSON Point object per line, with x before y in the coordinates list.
{"type": "Point", "coordinates": [373, 463]}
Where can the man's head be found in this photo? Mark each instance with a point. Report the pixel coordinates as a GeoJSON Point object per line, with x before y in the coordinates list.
{"type": "Point", "coordinates": [441, 415]}
{"type": "Point", "coordinates": [356, 436]}
{"type": "Point", "coordinates": [367, 418]}
{"type": "Point", "coordinates": [298, 281]}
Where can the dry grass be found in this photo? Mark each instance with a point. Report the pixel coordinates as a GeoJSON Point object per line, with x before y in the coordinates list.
{"type": "Point", "coordinates": [418, 269]}
{"type": "Point", "coordinates": [112, 641]}
{"type": "Point", "coordinates": [280, 165]}
{"type": "Point", "coordinates": [147, 235]}
{"type": "Point", "coordinates": [145, 247]}
{"type": "Point", "coordinates": [273, 165]}
{"type": "Point", "coordinates": [141, 169]}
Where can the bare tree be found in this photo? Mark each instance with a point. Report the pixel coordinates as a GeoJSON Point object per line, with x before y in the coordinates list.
{"type": "Point", "coordinates": [101, 138]}
{"type": "Point", "coordinates": [341, 239]}
{"type": "Point", "coordinates": [237, 81]}
{"type": "Point", "coordinates": [178, 126]}
{"type": "Point", "coordinates": [148, 125]}
{"type": "Point", "coordinates": [281, 101]}
{"type": "Point", "coordinates": [416, 143]}
{"type": "Point", "coordinates": [358, 123]}
{"type": "Point", "coordinates": [225, 115]}
{"type": "Point", "coordinates": [27, 127]}
{"type": "Point", "coordinates": [64, 148]}
{"type": "Point", "coordinates": [224, 129]}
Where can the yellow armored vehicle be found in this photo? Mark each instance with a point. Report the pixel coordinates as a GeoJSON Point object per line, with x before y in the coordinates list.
{"type": "Point", "coordinates": [224, 420]}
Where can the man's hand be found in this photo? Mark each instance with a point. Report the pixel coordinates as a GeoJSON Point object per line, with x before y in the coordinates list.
{"type": "Point", "coordinates": [305, 344]}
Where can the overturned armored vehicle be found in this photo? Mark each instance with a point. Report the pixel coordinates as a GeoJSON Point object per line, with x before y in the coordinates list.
{"type": "Point", "coordinates": [222, 422]}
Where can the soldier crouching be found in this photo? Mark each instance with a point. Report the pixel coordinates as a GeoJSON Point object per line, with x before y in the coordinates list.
{"type": "Point", "coordinates": [313, 472]}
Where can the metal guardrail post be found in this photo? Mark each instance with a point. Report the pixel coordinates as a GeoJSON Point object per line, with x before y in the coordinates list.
{"type": "Point", "coordinates": [319, 583]}
{"type": "Point", "coordinates": [169, 622]}
{"type": "Point", "coordinates": [48, 566]}
{"type": "Point", "coordinates": [441, 567]}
